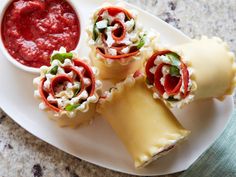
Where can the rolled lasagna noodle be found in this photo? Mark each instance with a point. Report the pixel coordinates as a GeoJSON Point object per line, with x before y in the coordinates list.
{"type": "Point", "coordinates": [199, 69]}
{"type": "Point", "coordinates": [145, 126]}
{"type": "Point", "coordinates": [118, 43]}
{"type": "Point", "coordinates": [68, 89]}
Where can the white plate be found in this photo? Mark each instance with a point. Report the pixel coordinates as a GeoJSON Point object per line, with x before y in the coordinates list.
{"type": "Point", "coordinates": [97, 143]}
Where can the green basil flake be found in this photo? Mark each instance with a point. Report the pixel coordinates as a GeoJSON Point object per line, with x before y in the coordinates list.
{"type": "Point", "coordinates": [76, 92]}
{"type": "Point", "coordinates": [174, 71]}
{"type": "Point", "coordinates": [171, 98]}
{"type": "Point", "coordinates": [54, 70]}
{"type": "Point", "coordinates": [70, 107]}
{"type": "Point", "coordinates": [134, 26]}
{"type": "Point", "coordinates": [62, 56]}
{"type": "Point", "coordinates": [174, 58]}
{"type": "Point", "coordinates": [141, 42]}
{"type": "Point", "coordinates": [95, 32]}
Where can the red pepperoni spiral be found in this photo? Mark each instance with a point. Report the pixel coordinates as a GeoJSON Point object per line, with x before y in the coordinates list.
{"type": "Point", "coordinates": [172, 84]}
{"type": "Point", "coordinates": [118, 35]}
{"type": "Point", "coordinates": [60, 78]}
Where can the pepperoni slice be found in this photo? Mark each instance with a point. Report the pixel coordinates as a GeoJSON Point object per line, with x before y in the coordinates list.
{"type": "Point", "coordinates": [186, 79]}
{"type": "Point", "coordinates": [116, 46]}
{"type": "Point", "coordinates": [150, 64]}
{"type": "Point", "coordinates": [88, 73]}
{"type": "Point", "coordinates": [57, 80]}
{"type": "Point", "coordinates": [113, 11]}
{"type": "Point", "coordinates": [172, 84]}
{"type": "Point", "coordinates": [78, 75]}
{"type": "Point", "coordinates": [119, 33]}
{"type": "Point", "coordinates": [61, 78]}
{"type": "Point", "coordinates": [116, 57]}
{"type": "Point", "coordinates": [44, 95]}
{"type": "Point", "coordinates": [157, 79]}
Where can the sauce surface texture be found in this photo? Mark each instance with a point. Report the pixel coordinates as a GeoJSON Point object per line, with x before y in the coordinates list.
{"type": "Point", "coordinates": [32, 29]}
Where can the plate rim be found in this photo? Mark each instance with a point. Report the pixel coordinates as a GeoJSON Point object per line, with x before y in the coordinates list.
{"type": "Point", "coordinates": [7, 110]}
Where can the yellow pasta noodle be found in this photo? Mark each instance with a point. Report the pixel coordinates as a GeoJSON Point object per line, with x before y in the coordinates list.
{"type": "Point", "coordinates": [119, 44]}
{"type": "Point", "coordinates": [68, 89]}
{"type": "Point", "coordinates": [199, 69]}
{"type": "Point", "coordinates": [144, 125]}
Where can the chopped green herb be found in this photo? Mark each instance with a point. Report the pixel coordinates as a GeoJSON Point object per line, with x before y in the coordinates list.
{"type": "Point", "coordinates": [70, 107]}
{"type": "Point", "coordinates": [95, 32]}
{"type": "Point", "coordinates": [171, 98]}
{"type": "Point", "coordinates": [174, 58]}
{"type": "Point", "coordinates": [172, 55]}
{"type": "Point", "coordinates": [76, 92]}
{"type": "Point", "coordinates": [61, 56]}
{"type": "Point", "coordinates": [174, 71]}
{"type": "Point", "coordinates": [54, 70]}
{"type": "Point", "coordinates": [141, 42]}
{"type": "Point", "coordinates": [134, 26]}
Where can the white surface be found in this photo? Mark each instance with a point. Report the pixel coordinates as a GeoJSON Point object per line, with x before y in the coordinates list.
{"type": "Point", "coordinates": [97, 143]}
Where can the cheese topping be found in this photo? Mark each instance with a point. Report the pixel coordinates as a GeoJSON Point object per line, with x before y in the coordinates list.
{"type": "Point", "coordinates": [105, 26]}
{"type": "Point", "coordinates": [109, 28]}
{"type": "Point", "coordinates": [171, 69]}
{"type": "Point", "coordinates": [67, 85]}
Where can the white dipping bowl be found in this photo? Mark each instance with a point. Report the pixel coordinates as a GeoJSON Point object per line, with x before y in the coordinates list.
{"type": "Point", "coordinates": [4, 6]}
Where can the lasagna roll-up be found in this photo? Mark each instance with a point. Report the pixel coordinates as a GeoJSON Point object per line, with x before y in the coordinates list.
{"type": "Point", "coordinates": [145, 126]}
{"type": "Point", "coordinates": [118, 43]}
{"type": "Point", "coordinates": [68, 89]}
{"type": "Point", "coordinates": [199, 69]}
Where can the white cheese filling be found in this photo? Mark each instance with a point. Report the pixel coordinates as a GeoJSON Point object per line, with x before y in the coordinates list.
{"type": "Point", "coordinates": [67, 96]}
{"type": "Point", "coordinates": [65, 93]}
{"type": "Point", "coordinates": [165, 71]}
{"type": "Point", "coordinates": [131, 36]}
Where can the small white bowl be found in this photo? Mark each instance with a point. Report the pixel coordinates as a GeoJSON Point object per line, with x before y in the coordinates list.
{"type": "Point", "coordinates": [4, 6]}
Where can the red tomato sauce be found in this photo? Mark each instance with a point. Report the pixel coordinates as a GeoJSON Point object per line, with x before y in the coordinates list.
{"type": "Point", "coordinates": [32, 29]}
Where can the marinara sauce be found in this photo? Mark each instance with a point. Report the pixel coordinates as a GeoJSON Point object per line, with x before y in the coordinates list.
{"type": "Point", "coordinates": [32, 29]}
